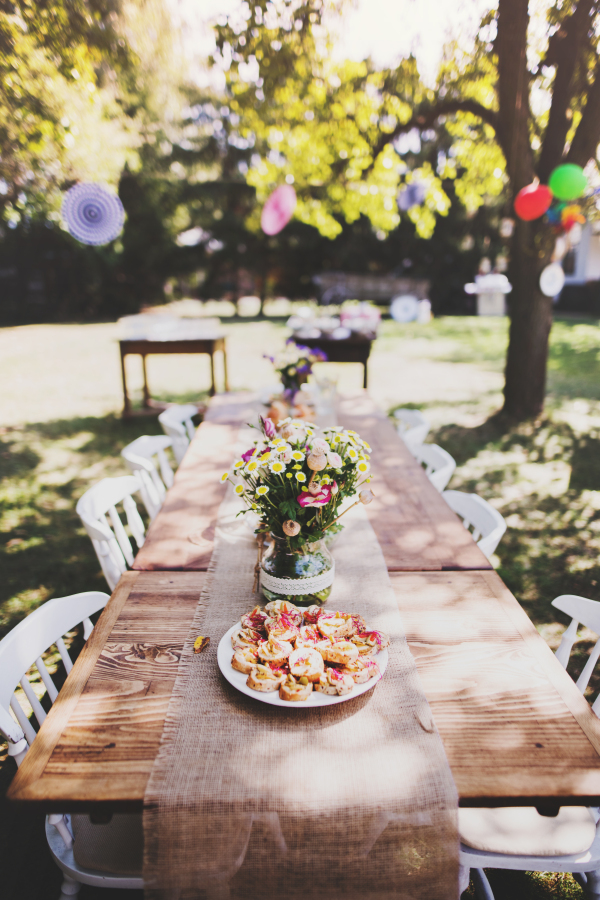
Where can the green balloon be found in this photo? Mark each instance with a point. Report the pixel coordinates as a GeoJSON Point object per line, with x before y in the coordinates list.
{"type": "Point", "coordinates": [568, 182]}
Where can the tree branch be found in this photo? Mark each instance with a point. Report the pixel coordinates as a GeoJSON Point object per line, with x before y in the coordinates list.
{"type": "Point", "coordinates": [587, 136]}
{"type": "Point", "coordinates": [567, 51]}
{"type": "Point", "coordinates": [427, 117]}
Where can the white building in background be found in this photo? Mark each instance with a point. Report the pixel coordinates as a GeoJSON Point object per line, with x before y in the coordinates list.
{"type": "Point", "coordinates": [582, 263]}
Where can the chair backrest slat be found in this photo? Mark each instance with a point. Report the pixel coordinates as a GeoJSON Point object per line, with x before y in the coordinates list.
{"type": "Point", "coordinates": [46, 677]}
{"type": "Point", "coordinates": [412, 427]}
{"type": "Point", "coordinates": [35, 704]}
{"type": "Point", "coordinates": [585, 612]}
{"type": "Point", "coordinates": [64, 655]}
{"type": "Point", "coordinates": [28, 729]}
{"type": "Point", "coordinates": [121, 535]}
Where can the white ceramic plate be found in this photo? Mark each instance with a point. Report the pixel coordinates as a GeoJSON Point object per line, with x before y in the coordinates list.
{"type": "Point", "coordinates": [316, 698]}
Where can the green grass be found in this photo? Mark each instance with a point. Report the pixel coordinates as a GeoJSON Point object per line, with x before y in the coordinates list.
{"type": "Point", "coordinates": [63, 433]}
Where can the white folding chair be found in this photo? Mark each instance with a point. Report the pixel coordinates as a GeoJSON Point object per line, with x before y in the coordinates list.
{"type": "Point", "coordinates": [412, 426]}
{"type": "Point", "coordinates": [522, 839]}
{"type": "Point", "coordinates": [139, 456]}
{"type": "Point", "coordinates": [20, 651]}
{"type": "Point", "coordinates": [487, 523]}
{"type": "Point", "coordinates": [112, 545]}
{"type": "Point", "coordinates": [439, 465]}
{"type": "Point", "coordinates": [177, 423]}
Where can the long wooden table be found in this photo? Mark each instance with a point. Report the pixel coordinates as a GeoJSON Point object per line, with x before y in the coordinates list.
{"type": "Point", "coordinates": [515, 728]}
{"type": "Point", "coordinates": [415, 527]}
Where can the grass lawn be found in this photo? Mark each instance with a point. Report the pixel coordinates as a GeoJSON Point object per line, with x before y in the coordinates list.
{"type": "Point", "coordinates": [61, 431]}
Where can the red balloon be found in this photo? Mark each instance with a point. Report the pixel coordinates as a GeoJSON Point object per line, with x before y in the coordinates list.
{"type": "Point", "coordinates": [279, 209]}
{"type": "Point", "coordinates": [533, 201]}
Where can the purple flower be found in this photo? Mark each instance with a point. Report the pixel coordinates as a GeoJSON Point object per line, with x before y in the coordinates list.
{"type": "Point", "coordinates": [319, 355]}
{"type": "Point", "coordinates": [248, 454]}
{"type": "Point", "coordinates": [268, 427]}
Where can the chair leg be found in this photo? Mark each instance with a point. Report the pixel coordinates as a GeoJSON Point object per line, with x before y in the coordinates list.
{"type": "Point", "coordinates": [69, 888]}
{"type": "Point", "coordinates": [483, 891]}
{"type": "Point", "coordinates": [464, 876]}
{"type": "Point", "coordinates": [592, 887]}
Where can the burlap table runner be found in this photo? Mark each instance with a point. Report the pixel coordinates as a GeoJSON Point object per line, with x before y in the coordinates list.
{"type": "Point", "coordinates": [258, 802]}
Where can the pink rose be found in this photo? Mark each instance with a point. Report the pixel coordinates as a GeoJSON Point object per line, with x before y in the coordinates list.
{"type": "Point", "coordinates": [320, 499]}
{"type": "Point", "coordinates": [334, 460]}
{"type": "Point", "coordinates": [319, 444]}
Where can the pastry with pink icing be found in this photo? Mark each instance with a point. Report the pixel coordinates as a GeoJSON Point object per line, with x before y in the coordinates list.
{"type": "Point", "coordinates": [332, 681]}
{"type": "Point", "coordinates": [282, 628]}
{"type": "Point", "coordinates": [243, 659]}
{"type": "Point", "coordinates": [277, 607]}
{"type": "Point", "coordinates": [245, 637]}
{"type": "Point", "coordinates": [370, 642]}
{"type": "Point", "coordinates": [274, 650]}
{"type": "Point", "coordinates": [306, 663]}
{"type": "Point", "coordinates": [339, 652]}
{"type": "Point", "coordinates": [264, 679]}
{"type": "Point", "coordinates": [255, 619]}
{"type": "Point", "coordinates": [362, 669]}
{"type": "Point", "coordinates": [293, 689]}
{"type": "Point", "coordinates": [309, 636]}
{"type": "Point", "coordinates": [335, 625]}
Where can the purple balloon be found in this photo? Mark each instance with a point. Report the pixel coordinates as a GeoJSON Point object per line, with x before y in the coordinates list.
{"type": "Point", "coordinates": [278, 210]}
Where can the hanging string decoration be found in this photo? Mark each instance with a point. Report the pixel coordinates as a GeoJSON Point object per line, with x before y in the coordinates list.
{"type": "Point", "coordinates": [278, 210]}
{"type": "Point", "coordinates": [93, 214]}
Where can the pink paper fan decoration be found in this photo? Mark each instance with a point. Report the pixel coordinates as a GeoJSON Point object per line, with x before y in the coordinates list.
{"type": "Point", "coordinates": [278, 210]}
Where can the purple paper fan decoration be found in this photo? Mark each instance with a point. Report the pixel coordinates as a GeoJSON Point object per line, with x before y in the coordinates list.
{"type": "Point", "coordinates": [92, 214]}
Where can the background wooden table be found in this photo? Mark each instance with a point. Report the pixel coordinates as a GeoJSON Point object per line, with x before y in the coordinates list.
{"type": "Point", "coordinates": [416, 528]}
{"type": "Point", "coordinates": [146, 347]}
{"type": "Point", "coordinates": [515, 728]}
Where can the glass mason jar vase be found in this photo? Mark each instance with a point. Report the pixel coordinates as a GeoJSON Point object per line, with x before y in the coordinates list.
{"type": "Point", "coordinates": [304, 578]}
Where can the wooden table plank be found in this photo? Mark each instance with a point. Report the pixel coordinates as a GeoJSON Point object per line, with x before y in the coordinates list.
{"type": "Point", "coordinates": [515, 728]}
{"type": "Point", "coordinates": [416, 528]}
{"type": "Point", "coordinates": [98, 744]}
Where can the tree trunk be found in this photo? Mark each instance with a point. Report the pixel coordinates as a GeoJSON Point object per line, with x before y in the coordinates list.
{"type": "Point", "coordinates": [530, 322]}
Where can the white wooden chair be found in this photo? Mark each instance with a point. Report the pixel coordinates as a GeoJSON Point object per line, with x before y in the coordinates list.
{"type": "Point", "coordinates": [177, 423]}
{"type": "Point", "coordinates": [20, 651]}
{"type": "Point", "coordinates": [412, 426]}
{"type": "Point", "coordinates": [439, 465]}
{"type": "Point", "coordinates": [487, 523]}
{"type": "Point", "coordinates": [112, 545]}
{"type": "Point", "coordinates": [140, 457]}
{"type": "Point", "coordinates": [522, 839]}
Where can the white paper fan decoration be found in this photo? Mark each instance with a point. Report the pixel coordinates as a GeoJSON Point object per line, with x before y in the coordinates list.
{"type": "Point", "coordinates": [92, 214]}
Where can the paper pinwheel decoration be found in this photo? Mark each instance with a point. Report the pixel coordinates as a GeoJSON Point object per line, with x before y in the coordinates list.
{"type": "Point", "coordinates": [92, 214]}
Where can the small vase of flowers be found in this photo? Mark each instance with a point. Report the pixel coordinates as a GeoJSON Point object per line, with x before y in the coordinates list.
{"type": "Point", "coordinates": [296, 481]}
{"type": "Point", "coordinates": [294, 365]}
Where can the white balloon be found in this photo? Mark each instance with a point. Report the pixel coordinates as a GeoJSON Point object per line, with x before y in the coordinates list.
{"type": "Point", "coordinates": [404, 308]}
{"type": "Point", "coordinates": [552, 280]}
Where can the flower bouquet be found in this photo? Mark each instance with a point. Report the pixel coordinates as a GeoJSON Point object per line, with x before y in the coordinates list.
{"type": "Point", "coordinates": [294, 365]}
{"type": "Point", "coordinates": [296, 481]}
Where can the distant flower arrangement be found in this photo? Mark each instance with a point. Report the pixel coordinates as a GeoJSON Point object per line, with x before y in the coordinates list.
{"type": "Point", "coordinates": [296, 481]}
{"type": "Point", "coordinates": [294, 365]}
{"type": "Point", "coordinates": [93, 214]}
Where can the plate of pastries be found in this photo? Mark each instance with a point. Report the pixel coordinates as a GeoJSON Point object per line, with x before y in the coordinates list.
{"type": "Point", "coordinates": [281, 654]}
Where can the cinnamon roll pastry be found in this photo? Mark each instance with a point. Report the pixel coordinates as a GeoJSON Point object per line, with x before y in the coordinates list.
{"type": "Point", "coordinates": [340, 652]}
{"type": "Point", "coordinates": [246, 637]}
{"type": "Point", "coordinates": [243, 659]}
{"type": "Point", "coordinates": [370, 642]}
{"type": "Point", "coordinates": [294, 690]}
{"type": "Point", "coordinates": [274, 650]}
{"type": "Point", "coordinates": [335, 624]}
{"type": "Point", "coordinates": [333, 681]}
{"type": "Point", "coordinates": [255, 619]}
{"type": "Point", "coordinates": [277, 607]}
{"type": "Point", "coordinates": [308, 637]}
{"type": "Point", "coordinates": [264, 679]}
{"type": "Point", "coordinates": [282, 628]}
{"type": "Point", "coordinates": [312, 614]}
{"type": "Point", "coordinates": [362, 669]}
{"type": "Point", "coordinates": [306, 663]}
